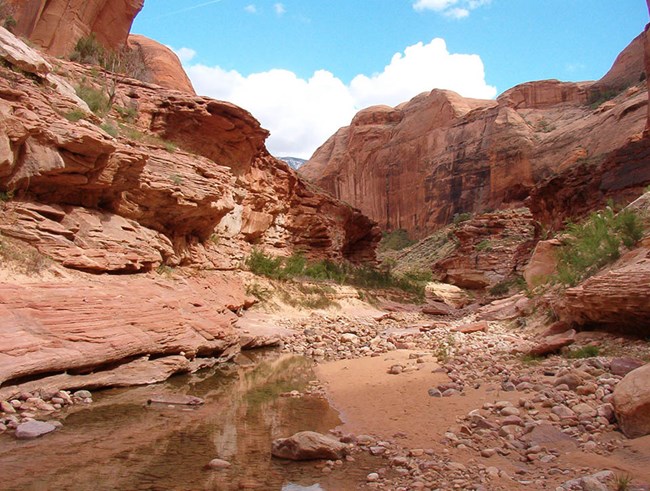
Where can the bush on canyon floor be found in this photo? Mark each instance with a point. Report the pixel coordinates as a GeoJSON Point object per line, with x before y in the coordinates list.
{"type": "Point", "coordinates": [596, 242]}
{"type": "Point", "coordinates": [297, 266]}
{"type": "Point", "coordinates": [584, 352]}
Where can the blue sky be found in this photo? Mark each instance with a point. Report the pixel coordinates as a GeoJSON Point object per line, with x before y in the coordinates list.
{"type": "Point", "coordinates": [304, 67]}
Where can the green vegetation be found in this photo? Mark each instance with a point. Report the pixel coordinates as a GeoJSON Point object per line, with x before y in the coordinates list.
{"type": "Point", "coordinates": [176, 179]}
{"type": "Point", "coordinates": [110, 128]}
{"type": "Point", "coordinates": [622, 482]}
{"type": "Point", "coordinates": [584, 352]}
{"type": "Point", "coordinates": [395, 240]}
{"type": "Point", "coordinates": [529, 359]}
{"type": "Point", "coordinates": [595, 243]}
{"type": "Point", "coordinates": [7, 16]}
{"type": "Point", "coordinates": [134, 134]}
{"type": "Point", "coordinates": [74, 115]}
{"type": "Point", "coordinates": [23, 258]}
{"type": "Point", "coordinates": [504, 287]}
{"type": "Point", "coordinates": [544, 126]}
{"type": "Point", "coordinates": [596, 99]}
{"type": "Point", "coordinates": [96, 99]}
{"type": "Point", "coordinates": [484, 246]}
{"type": "Point", "coordinates": [6, 196]}
{"type": "Point", "coordinates": [342, 273]}
{"type": "Point", "coordinates": [128, 114]}
{"type": "Point", "coordinates": [461, 217]}
{"type": "Point", "coordinates": [164, 270]}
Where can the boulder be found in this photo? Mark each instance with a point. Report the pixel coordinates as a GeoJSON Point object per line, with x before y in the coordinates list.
{"type": "Point", "coordinates": [551, 344]}
{"type": "Point", "coordinates": [543, 263]}
{"type": "Point", "coordinates": [33, 429]}
{"type": "Point", "coordinates": [451, 295]}
{"type": "Point", "coordinates": [473, 327]}
{"type": "Point", "coordinates": [309, 445]}
{"type": "Point", "coordinates": [632, 402]}
{"type": "Point", "coordinates": [623, 366]}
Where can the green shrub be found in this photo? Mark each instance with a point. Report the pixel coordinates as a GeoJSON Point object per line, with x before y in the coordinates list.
{"type": "Point", "coordinates": [75, 115]}
{"type": "Point", "coordinates": [395, 240]}
{"type": "Point", "coordinates": [88, 50]}
{"type": "Point", "coordinates": [96, 99]}
{"type": "Point", "coordinates": [461, 217]}
{"type": "Point", "coordinates": [584, 352]}
{"type": "Point", "coordinates": [341, 273]}
{"type": "Point", "coordinates": [128, 114]}
{"type": "Point", "coordinates": [595, 243]}
{"type": "Point", "coordinates": [484, 246]}
{"type": "Point", "coordinates": [110, 128]}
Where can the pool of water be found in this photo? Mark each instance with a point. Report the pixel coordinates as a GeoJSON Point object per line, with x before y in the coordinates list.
{"type": "Point", "coordinates": [121, 443]}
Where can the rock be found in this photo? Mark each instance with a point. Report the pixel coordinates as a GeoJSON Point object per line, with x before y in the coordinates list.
{"type": "Point", "coordinates": [616, 298]}
{"type": "Point", "coordinates": [175, 399]}
{"type": "Point", "coordinates": [57, 25]}
{"type": "Point", "coordinates": [18, 54]}
{"type": "Point", "coordinates": [552, 344]}
{"type": "Point", "coordinates": [542, 263]}
{"type": "Point", "coordinates": [433, 392]}
{"type": "Point", "coordinates": [5, 407]}
{"type": "Point", "coordinates": [632, 402]}
{"type": "Point", "coordinates": [437, 308]}
{"type": "Point", "coordinates": [471, 328]}
{"type": "Point", "coordinates": [164, 67]}
{"type": "Point", "coordinates": [372, 477]}
{"type": "Point", "coordinates": [308, 445]}
{"type": "Point", "coordinates": [450, 295]}
{"type": "Point", "coordinates": [623, 366]}
{"type": "Point", "coordinates": [219, 464]}
{"type": "Point", "coordinates": [33, 429]}
{"type": "Point", "coordinates": [82, 394]}
{"type": "Point", "coordinates": [396, 369]}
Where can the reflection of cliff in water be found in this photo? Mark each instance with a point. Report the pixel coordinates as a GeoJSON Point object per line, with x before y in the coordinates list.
{"type": "Point", "coordinates": [121, 443]}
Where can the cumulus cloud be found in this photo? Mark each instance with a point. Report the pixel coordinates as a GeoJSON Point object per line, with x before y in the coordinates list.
{"type": "Point", "coordinates": [455, 9]}
{"type": "Point", "coordinates": [302, 113]}
{"type": "Point", "coordinates": [185, 54]}
{"type": "Point", "coordinates": [251, 9]}
{"type": "Point", "coordinates": [279, 8]}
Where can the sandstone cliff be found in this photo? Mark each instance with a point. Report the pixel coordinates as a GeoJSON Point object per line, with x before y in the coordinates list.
{"type": "Point", "coordinates": [417, 165]}
{"type": "Point", "coordinates": [161, 179]}
{"type": "Point", "coordinates": [163, 66]}
{"type": "Point", "coordinates": [56, 25]}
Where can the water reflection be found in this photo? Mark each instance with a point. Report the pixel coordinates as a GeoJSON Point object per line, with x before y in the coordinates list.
{"type": "Point", "coordinates": [121, 443]}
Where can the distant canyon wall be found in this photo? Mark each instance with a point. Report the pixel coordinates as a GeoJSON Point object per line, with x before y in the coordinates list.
{"type": "Point", "coordinates": [417, 165]}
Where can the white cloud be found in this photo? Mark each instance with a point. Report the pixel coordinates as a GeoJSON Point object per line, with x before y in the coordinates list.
{"type": "Point", "coordinates": [302, 113]}
{"type": "Point", "coordinates": [456, 9]}
{"type": "Point", "coordinates": [437, 5]}
{"type": "Point", "coordinates": [251, 9]}
{"type": "Point", "coordinates": [457, 13]}
{"type": "Point", "coordinates": [279, 8]}
{"type": "Point", "coordinates": [185, 54]}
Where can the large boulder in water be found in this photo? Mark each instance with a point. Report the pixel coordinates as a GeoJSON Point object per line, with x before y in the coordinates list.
{"type": "Point", "coordinates": [308, 445]}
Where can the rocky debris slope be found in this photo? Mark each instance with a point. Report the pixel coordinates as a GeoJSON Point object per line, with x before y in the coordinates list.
{"type": "Point", "coordinates": [56, 25]}
{"type": "Point", "coordinates": [492, 248]}
{"type": "Point", "coordinates": [417, 165]}
{"type": "Point", "coordinates": [541, 422]}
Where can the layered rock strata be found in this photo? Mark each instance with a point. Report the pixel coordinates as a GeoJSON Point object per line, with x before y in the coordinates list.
{"type": "Point", "coordinates": [417, 165]}
{"type": "Point", "coordinates": [56, 25]}
{"type": "Point", "coordinates": [77, 188]}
